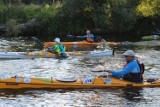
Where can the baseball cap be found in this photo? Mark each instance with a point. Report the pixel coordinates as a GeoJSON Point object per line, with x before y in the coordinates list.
{"type": "Point", "coordinates": [129, 53]}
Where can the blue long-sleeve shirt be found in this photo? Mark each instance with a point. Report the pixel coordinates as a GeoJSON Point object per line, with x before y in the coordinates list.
{"type": "Point", "coordinates": [131, 67]}
{"type": "Point", "coordinates": [85, 36]}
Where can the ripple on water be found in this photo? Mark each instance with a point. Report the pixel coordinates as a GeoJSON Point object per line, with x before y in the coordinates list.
{"type": "Point", "coordinates": [80, 67]}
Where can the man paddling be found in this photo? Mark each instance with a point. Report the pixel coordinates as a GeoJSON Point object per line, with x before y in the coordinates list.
{"type": "Point", "coordinates": [58, 48]}
{"type": "Point", "coordinates": [89, 37]}
{"type": "Point", "coordinates": [131, 71]}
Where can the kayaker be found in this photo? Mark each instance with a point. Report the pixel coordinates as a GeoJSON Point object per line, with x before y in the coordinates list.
{"type": "Point", "coordinates": [131, 71]}
{"type": "Point", "coordinates": [89, 37]}
{"type": "Point", "coordinates": [58, 48]}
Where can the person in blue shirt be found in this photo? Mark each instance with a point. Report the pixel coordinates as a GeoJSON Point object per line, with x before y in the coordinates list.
{"type": "Point", "coordinates": [131, 71]}
{"type": "Point", "coordinates": [58, 48]}
{"type": "Point", "coordinates": [89, 37]}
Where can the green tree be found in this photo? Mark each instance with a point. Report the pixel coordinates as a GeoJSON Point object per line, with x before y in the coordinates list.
{"type": "Point", "coordinates": [12, 28]}
{"type": "Point", "coordinates": [148, 12]}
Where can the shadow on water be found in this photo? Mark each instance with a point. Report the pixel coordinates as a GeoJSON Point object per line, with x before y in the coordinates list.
{"type": "Point", "coordinates": [130, 94]}
{"type": "Point", "coordinates": [133, 94]}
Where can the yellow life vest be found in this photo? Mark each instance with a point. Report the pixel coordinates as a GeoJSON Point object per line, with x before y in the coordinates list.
{"type": "Point", "coordinates": [57, 48]}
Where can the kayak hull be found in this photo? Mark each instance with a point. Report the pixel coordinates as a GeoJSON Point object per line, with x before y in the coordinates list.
{"type": "Point", "coordinates": [50, 83]}
{"type": "Point", "coordinates": [12, 55]}
{"type": "Point", "coordinates": [43, 54]}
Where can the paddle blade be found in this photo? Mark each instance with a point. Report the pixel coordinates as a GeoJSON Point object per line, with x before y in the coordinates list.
{"type": "Point", "coordinates": [37, 41]}
{"type": "Point", "coordinates": [105, 45]}
{"type": "Point", "coordinates": [70, 36]}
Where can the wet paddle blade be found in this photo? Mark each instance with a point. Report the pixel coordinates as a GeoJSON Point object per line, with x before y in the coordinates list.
{"type": "Point", "coordinates": [70, 36]}
{"type": "Point", "coordinates": [105, 44]}
{"type": "Point", "coordinates": [37, 41]}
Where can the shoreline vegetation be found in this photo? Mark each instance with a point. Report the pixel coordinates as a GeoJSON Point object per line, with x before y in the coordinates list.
{"type": "Point", "coordinates": [110, 19]}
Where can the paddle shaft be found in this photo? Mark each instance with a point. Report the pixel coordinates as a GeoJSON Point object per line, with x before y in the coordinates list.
{"type": "Point", "coordinates": [102, 71]}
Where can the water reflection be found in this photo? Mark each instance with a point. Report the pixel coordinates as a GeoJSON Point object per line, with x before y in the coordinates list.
{"type": "Point", "coordinates": [72, 98]}
{"type": "Point", "coordinates": [133, 94]}
{"type": "Point", "coordinates": [82, 97]}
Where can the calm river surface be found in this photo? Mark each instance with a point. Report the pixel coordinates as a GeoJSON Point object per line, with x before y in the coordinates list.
{"type": "Point", "coordinates": [148, 52]}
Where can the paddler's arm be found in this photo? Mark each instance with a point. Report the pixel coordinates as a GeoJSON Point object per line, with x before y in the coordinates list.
{"type": "Point", "coordinates": [62, 48]}
{"type": "Point", "coordinates": [82, 36]}
{"type": "Point", "coordinates": [51, 48]}
{"type": "Point", "coordinates": [85, 36]}
{"type": "Point", "coordinates": [123, 72]}
{"type": "Point", "coordinates": [91, 35]}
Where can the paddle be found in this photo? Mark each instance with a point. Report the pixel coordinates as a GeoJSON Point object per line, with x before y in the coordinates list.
{"type": "Point", "coordinates": [71, 36]}
{"type": "Point", "coordinates": [38, 41]}
{"type": "Point", "coordinates": [105, 44]}
{"type": "Point", "coordinates": [109, 71]}
{"type": "Point", "coordinates": [103, 75]}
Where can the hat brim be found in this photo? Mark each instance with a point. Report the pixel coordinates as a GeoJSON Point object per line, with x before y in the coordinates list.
{"type": "Point", "coordinates": [128, 55]}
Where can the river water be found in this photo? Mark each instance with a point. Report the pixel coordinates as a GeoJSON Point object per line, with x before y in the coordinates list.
{"type": "Point", "coordinates": [148, 52]}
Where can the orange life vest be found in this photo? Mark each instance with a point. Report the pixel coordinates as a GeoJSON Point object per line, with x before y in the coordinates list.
{"type": "Point", "coordinates": [89, 39]}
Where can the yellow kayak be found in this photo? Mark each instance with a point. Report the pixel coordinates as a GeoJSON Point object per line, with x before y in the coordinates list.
{"type": "Point", "coordinates": [72, 83]}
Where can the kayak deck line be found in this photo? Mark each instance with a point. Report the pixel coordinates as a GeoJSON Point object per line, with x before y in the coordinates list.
{"type": "Point", "coordinates": [45, 54]}
{"type": "Point", "coordinates": [71, 83]}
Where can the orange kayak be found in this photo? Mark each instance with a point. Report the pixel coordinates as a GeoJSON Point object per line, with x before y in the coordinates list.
{"type": "Point", "coordinates": [47, 44]}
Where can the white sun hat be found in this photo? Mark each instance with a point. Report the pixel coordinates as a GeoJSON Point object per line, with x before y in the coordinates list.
{"type": "Point", "coordinates": [129, 53]}
{"type": "Point", "coordinates": [57, 40]}
{"type": "Point", "coordinates": [88, 31]}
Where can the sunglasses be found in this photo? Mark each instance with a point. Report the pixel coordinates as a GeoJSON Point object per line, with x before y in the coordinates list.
{"type": "Point", "coordinates": [126, 56]}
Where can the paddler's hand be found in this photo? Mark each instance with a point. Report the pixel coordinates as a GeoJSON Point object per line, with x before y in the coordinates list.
{"type": "Point", "coordinates": [78, 36]}
{"type": "Point", "coordinates": [59, 54]}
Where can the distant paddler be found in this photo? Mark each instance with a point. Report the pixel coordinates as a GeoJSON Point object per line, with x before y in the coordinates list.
{"type": "Point", "coordinates": [58, 48]}
{"type": "Point", "coordinates": [89, 37]}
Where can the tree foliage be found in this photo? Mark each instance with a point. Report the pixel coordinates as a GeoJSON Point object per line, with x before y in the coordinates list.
{"type": "Point", "coordinates": [149, 8]}
{"type": "Point", "coordinates": [148, 13]}
{"type": "Point", "coordinates": [61, 17]}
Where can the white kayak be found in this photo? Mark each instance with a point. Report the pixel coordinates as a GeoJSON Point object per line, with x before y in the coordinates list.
{"type": "Point", "coordinates": [105, 52]}
{"type": "Point", "coordinates": [44, 54]}
{"type": "Point", "coordinates": [12, 55]}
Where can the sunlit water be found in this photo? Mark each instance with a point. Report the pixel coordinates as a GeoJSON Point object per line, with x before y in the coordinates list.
{"type": "Point", "coordinates": [78, 67]}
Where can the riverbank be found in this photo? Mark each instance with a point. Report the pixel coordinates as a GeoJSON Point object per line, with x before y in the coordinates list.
{"type": "Point", "coordinates": [143, 43]}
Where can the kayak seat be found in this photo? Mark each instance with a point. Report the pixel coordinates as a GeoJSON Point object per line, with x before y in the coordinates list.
{"type": "Point", "coordinates": [72, 79]}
